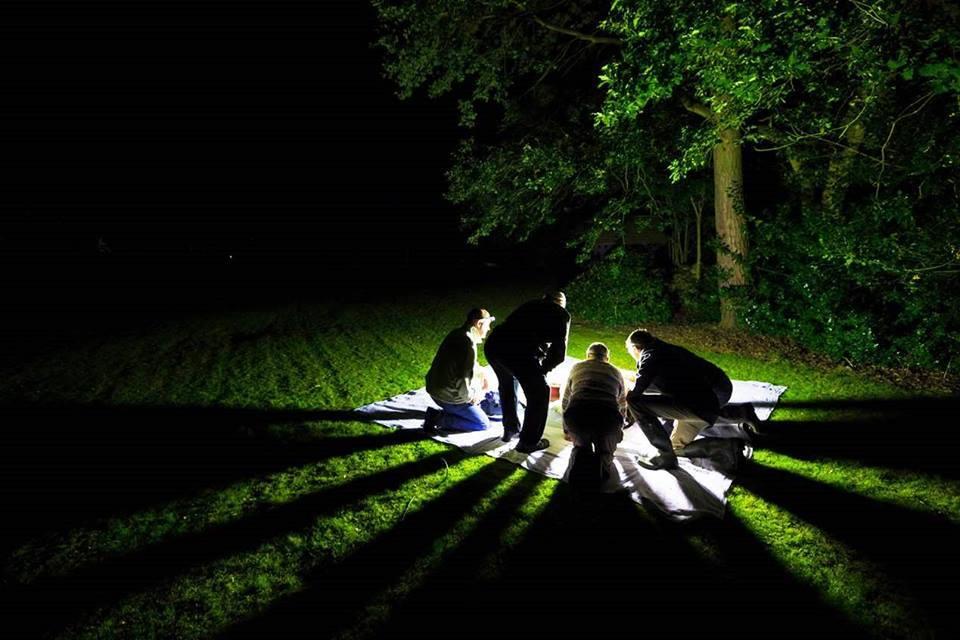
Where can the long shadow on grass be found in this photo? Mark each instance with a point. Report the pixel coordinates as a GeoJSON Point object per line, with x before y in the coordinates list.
{"type": "Point", "coordinates": [337, 594]}
{"type": "Point", "coordinates": [453, 593]}
{"type": "Point", "coordinates": [68, 464]}
{"type": "Point", "coordinates": [916, 548]}
{"type": "Point", "coordinates": [599, 563]}
{"type": "Point", "coordinates": [51, 603]}
{"type": "Point", "coordinates": [879, 432]}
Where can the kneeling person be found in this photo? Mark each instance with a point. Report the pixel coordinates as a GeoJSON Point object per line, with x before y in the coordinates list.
{"type": "Point", "coordinates": [676, 385]}
{"type": "Point", "coordinates": [593, 401]}
{"type": "Point", "coordinates": [455, 381]}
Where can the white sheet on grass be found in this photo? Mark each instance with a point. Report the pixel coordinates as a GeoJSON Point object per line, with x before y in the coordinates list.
{"type": "Point", "coordinates": [694, 489]}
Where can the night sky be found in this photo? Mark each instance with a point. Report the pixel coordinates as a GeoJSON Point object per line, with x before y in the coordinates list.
{"type": "Point", "coordinates": [153, 140]}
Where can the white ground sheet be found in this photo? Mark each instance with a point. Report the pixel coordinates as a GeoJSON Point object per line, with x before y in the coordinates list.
{"type": "Point", "coordinates": [698, 487]}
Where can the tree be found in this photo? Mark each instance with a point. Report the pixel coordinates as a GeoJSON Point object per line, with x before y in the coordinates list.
{"type": "Point", "coordinates": [588, 94]}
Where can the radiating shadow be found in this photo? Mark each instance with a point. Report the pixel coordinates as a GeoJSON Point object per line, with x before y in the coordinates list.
{"type": "Point", "coordinates": [763, 598]}
{"type": "Point", "coordinates": [610, 558]}
{"type": "Point", "coordinates": [453, 593]}
{"type": "Point", "coordinates": [73, 463]}
{"type": "Point", "coordinates": [914, 547]}
{"type": "Point", "coordinates": [336, 594]}
{"type": "Point", "coordinates": [902, 433]}
{"type": "Point", "coordinates": [911, 405]}
{"type": "Point", "coordinates": [51, 603]}
{"type": "Point", "coordinates": [598, 562]}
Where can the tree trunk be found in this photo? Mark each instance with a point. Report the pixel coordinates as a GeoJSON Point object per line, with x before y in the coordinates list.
{"type": "Point", "coordinates": [698, 218]}
{"type": "Point", "coordinates": [805, 181]}
{"type": "Point", "coordinates": [838, 172]}
{"type": "Point", "coordinates": [731, 226]}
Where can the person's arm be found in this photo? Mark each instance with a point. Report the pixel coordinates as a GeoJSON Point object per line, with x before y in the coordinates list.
{"type": "Point", "coordinates": [567, 390]}
{"type": "Point", "coordinates": [622, 396]}
{"type": "Point", "coordinates": [645, 371]}
{"type": "Point", "coordinates": [558, 348]}
{"type": "Point", "coordinates": [468, 369]}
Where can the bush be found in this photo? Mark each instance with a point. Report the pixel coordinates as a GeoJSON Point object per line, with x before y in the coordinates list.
{"type": "Point", "coordinates": [851, 288]}
{"type": "Point", "coordinates": [698, 300]}
{"type": "Point", "coordinates": [621, 289]}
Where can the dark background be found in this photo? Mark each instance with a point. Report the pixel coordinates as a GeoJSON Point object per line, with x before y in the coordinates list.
{"type": "Point", "coordinates": [158, 153]}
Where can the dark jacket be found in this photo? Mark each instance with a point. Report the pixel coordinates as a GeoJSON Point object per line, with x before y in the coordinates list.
{"type": "Point", "coordinates": [536, 329]}
{"type": "Point", "coordinates": [452, 370]}
{"type": "Point", "coordinates": [673, 370]}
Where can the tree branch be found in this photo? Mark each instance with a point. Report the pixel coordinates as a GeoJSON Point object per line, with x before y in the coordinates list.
{"type": "Point", "coordinates": [923, 100]}
{"type": "Point", "coordinates": [699, 108]}
{"type": "Point", "coordinates": [592, 39]}
{"type": "Point", "coordinates": [870, 12]}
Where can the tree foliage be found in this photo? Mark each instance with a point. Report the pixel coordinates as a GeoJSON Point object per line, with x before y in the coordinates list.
{"type": "Point", "coordinates": [595, 116]}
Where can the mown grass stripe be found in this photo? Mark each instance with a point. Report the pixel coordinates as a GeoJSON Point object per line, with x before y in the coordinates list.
{"type": "Point", "coordinates": [849, 582]}
{"type": "Point", "coordinates": [84, 546]}
{"type": "Point", "coordinates": [910, 490]}
{"type": "Point", "coordinates": [211, 597]}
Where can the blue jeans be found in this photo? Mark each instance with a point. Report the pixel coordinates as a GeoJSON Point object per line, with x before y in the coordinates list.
{"type": "Point", "coordinates": [462, 417]}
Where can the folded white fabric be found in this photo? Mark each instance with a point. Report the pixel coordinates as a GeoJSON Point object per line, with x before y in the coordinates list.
{"type": "Point", "coordinates": [693, 489]}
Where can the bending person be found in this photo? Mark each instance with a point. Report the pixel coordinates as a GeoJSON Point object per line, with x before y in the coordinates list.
{"type": "Point", "coordinates": [594, 399]}
{"type": "Point", "coordinates": [674, 384]}
{"type": "Point", "coordinates": [522, 350]}
{"type": "Point", "coordinates": [455, 381]}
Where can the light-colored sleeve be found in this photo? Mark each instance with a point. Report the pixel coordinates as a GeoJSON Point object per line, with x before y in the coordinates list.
{"type": "Point", "coordinates": [622, 396]}
{"type": "Point", "coordinates": [567, 389]}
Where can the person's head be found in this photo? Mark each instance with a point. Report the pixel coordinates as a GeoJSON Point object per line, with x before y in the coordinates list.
{"type": "Point", "coordinates": [638, 341]}
{"type": "Point", "coordinates": [598, 351]}
{"type": "Point", "coordinates": [479, 321]}
{"type": "Point", "coordinates": [558, 297]}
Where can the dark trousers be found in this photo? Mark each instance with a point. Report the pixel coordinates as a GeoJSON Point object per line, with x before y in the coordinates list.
{"type": "Point", "coordinates": [517, 370]}
{"type": "Point", "coordinates": [594, 423]}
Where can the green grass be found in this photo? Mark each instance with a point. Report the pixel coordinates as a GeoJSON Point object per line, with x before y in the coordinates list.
{"type": "Point", "coordinates": [184, 481]}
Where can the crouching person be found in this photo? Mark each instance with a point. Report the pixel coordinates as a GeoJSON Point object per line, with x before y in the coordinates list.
{"type": "Point", "coordinates": [593, 401]}
{"type": "Point", "coordinates": [675, 385]}
{"type": "Point", "coordinates": [455, 381]}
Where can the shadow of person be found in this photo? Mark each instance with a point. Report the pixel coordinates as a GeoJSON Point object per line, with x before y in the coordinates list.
{"type": "Point", "coordinates": [66, 464]}
{"type": "Point", "coordinates": [912, 547]}
{"type": "Point", "coordinates": [893, 433]}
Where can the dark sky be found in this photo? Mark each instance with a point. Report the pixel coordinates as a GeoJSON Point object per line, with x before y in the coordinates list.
{"type": "Point", "coordinates": [182, 132]}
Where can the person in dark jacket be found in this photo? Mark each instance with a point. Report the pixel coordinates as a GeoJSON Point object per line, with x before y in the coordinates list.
{"type": "Point", "coordinates": [675, 384]}
{"type": "Point", "coordinates": [522, 350]}
{"type": "Point", "coordinates": [455, 381]}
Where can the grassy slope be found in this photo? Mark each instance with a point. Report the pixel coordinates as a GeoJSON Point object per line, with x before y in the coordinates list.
{"type": "Point", "coordinates": [187, 482]}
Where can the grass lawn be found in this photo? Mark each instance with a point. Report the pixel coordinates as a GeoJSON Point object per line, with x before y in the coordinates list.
{"type": "Point", "coordinates": [200, 477]}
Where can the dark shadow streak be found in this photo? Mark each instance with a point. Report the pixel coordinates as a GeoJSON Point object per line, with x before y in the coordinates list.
{"type": "Point", "coordinates": [597, 559]}
{"type": "Point", "coordinates": [50, 604]}
{"type": "Point", "coordinates": [911, 546]}
{"type": "Point", "coordinates": [76, 463]}
{"type": "Point", "coordinates": [911, 405]}
{"type": "Point", "coordinates": [453, 593]}
{"type": "Point", "coordinates": [336, 594]}
{"type": "Point", "coordinates": [762, 595]}
{"type": "Point", "coordinates": [876, 432]}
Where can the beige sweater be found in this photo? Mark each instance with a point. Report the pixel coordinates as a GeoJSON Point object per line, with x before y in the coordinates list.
{"type": "Point", "coordinates": [596, 381]}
